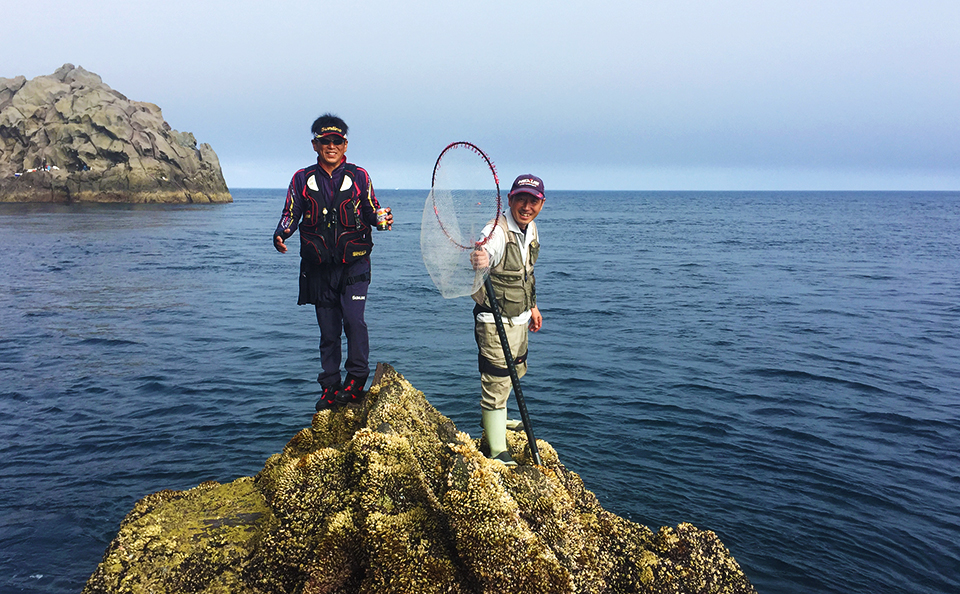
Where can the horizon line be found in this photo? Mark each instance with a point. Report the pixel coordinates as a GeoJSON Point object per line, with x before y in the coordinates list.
{"type": "Point", "coordinates": [651, 190]}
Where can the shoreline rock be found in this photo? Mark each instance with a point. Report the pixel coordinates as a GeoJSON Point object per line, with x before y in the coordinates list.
{"type": "Point", "coordinates": [68, 137]}
{"type": "Point", "coordinates": [390, 497]}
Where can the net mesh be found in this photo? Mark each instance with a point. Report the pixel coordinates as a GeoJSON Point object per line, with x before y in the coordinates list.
{"type": "Point", "coordinates": [463, 198]}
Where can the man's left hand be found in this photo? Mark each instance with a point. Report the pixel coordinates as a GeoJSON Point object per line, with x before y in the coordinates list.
{"type": "Point", "coordinates": [389, 218]}
{"type": "Point", "coordinates": [536, 320]}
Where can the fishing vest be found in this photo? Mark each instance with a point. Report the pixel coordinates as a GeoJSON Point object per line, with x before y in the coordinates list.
{"type": "Point", "coordinates": [335, 234]}
{"type": "Point", "coordinates": [513, 282]}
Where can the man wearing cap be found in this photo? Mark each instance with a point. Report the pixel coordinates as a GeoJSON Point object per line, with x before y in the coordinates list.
{"type": "Point", "coordinates": [510, 253]}
{"type": "Point", "coordinates": [333, 205]}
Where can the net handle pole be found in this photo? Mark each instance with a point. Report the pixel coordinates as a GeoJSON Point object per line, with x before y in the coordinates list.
{"type": "Point", "coordinates": [511, 365]}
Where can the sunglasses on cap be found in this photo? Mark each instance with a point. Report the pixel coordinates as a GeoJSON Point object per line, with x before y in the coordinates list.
{"type": "Point", "coordinates": [334, 140]}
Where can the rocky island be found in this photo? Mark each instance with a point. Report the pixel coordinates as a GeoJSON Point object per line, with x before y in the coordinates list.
{"type": "Point", "coordinates": [390, 497]}
{"type": "Point", "coordinates": [68, 137]}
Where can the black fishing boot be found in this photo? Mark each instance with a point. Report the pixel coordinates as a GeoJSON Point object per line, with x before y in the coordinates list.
{"type": "Point", "coordinates": [352, 391]}
{"type": "Point", "coordinates": [328, 400]}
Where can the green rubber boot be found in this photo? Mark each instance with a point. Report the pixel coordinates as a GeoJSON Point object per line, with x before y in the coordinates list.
{"type": "Point", "coordinates": [495, 426]}
{"type": "Point", "coordinates": [514, 425]}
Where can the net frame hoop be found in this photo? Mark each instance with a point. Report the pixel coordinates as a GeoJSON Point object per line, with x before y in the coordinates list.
{"type": "Point", "coordinates": [496, 182]}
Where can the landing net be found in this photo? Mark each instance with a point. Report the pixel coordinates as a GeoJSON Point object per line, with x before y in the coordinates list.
{"type": "Point", "coordinates": [464, 197]}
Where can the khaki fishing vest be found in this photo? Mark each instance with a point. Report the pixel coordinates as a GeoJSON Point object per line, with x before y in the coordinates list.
{"type": "Point", "coordinates": [513, 283]}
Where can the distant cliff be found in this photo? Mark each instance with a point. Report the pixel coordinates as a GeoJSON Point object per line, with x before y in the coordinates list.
{"type": "Point", "coordinates": [68, 137]}
{"type": "Point", "coordinates": [389, 497]}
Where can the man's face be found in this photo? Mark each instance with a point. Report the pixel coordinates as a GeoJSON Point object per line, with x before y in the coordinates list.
{"type": "Point", "coordinates": [330, 153]}
{"type": "Point", "coordinates": [524, 208]}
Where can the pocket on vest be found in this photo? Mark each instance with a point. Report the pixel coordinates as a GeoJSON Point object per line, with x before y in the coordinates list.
{"type": "Point", "coordinates": [313, 250]}
{"type": "Point", "coordinates": [512, 303]}
{"type": "Point", "coordinates": [356, 249]}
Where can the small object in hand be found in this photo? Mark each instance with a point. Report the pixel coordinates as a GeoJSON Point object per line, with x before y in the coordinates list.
{"type": "Point", "coordinates": [382, 223]}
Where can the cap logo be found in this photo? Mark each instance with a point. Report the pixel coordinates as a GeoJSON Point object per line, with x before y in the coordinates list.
{"type": "Point", "coordinates": [528, 183]}
{"type": "Point", "coordinates": [329, 130]}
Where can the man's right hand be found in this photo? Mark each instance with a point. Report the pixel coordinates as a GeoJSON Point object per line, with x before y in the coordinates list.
{"type": "Point", "coordinates": [480, 259]}
{"type": "Point", "coordinates": [278, 243]}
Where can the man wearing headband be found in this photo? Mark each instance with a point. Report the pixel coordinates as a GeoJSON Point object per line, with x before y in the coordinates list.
{"type": "Point", "coordinates": [510, 253]}
{"type": "Point", "coordinates": [333, 205]}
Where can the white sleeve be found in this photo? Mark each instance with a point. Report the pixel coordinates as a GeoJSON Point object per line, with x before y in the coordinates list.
{"type": "Point", "coordinates": [496, 245]}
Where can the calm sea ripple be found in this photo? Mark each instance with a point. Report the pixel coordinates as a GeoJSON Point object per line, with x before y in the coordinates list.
{"type": "Point", "coordinates": [781, 368]}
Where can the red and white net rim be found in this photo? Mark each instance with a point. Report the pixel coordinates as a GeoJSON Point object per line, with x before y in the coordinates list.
{"type": "Point", "coordinates": [496, 181]}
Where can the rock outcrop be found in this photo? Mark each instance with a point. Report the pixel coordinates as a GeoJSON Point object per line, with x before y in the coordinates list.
{"type": "Point", "coordinates": [68, 137]}
{"type": "Point", "coordinates": [389, 497]}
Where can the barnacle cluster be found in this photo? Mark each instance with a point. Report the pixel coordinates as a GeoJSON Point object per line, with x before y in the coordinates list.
{"type": "Point", "coordinates": [186, 541]}
{"type": "Point", "coordinates": [389, 497]}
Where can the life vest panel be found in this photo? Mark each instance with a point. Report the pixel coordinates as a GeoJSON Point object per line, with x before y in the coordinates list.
{"type": "Point", "coordinates": [335, 234]}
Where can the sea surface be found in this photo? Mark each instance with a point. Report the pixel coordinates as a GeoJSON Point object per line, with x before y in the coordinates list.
{"type": "Point", "coordinates": [782, 368]}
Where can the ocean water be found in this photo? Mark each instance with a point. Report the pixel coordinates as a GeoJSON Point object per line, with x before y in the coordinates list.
{"type": "Point", "coordinates": [780, 368]}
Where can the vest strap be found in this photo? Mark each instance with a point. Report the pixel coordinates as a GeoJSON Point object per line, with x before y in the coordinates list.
{"type": "Point", "coordinates": [357, 278]}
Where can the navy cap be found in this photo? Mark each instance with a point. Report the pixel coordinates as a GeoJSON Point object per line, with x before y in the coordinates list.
{"type": "Point", "coordinates": [529, 184]}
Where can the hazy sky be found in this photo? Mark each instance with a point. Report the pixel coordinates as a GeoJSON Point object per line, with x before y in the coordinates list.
{"type": "Point", "coordinates": [615, 95]}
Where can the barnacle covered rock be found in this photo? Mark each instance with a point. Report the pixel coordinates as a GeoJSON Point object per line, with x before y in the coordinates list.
{"type": "Point", "coordinates": [186, 541]}
{"type": "Point", "coordinates": [389, 497]}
